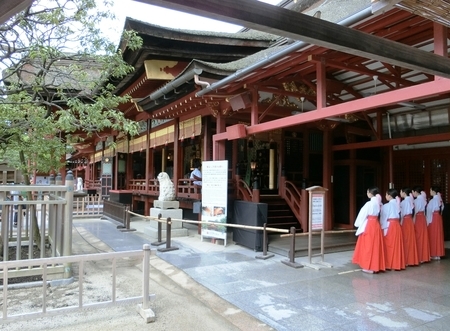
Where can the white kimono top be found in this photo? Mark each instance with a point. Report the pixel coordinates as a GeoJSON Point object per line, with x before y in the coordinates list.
{"type": "Point", "coordinates": [433, 205]}
{"type": "Point", "coordinates": [406, 206]}
{"type": "Point", "coordinates": [419, 204]}
{"type": "Point", "coordinates": [371, 208]}
{"type": "Point", "coordinates": [389, 210]}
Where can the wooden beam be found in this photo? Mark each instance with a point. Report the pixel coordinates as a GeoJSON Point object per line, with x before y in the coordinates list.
{"type": "Point", "coordinates": [269, 108]}
{"type": "Point", "coordinates": [283, 22]}
{"type": "Point", "coordinates": [441, 86]}
{"type": "Point", "coordinates": [360, 70]}
{"type": "Point", "coordinates": [9, 8]}
{"type": "Point", "coordinates": [396, 141]}
{"type": "Point", "coordinates": [321, 92]}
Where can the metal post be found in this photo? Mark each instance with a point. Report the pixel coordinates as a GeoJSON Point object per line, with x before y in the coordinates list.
{"type": "Point", "coordinates": [291, 262]}
{"type": "Point", "coordinates": [292, 248]}
{"type": "Point", "coordinates": [144, 310]}
{"type": "Point", "coordinates": [145, 276]}
{"type": "Point", "coordinates": [168, 239]}
{"type": "Point", "coordinates": [68, 214]}
{"type": "Point", "coordinates": [265, 256]}
{"type": "Point", "coordinates": [126, 220]}
{"type": "Point", "coordinates": [168, 232]}
{"type": "Point", "coordinates": [160, 241]}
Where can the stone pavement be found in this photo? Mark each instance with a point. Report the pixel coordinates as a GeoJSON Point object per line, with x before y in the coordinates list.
{"type": "Point", "coordinates": [287, 298]}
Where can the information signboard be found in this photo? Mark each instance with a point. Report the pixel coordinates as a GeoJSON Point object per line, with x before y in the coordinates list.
{"type": "Point", "coordinates": [317, 211]}
{"type": "Point", "coordinates": [214, 199]}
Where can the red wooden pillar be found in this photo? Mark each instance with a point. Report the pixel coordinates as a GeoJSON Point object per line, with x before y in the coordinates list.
{"type": "Point", "coordinates": [148, 164]}
{"type": "Point", "coordinates": [234, 158]}
{"type": "Point", "coordinates": [115, 171]}
{"type": "Point", "coordinates": [254, 116]}
{"type": "Point", "coordinates": [352, 188]}
{"type": "Point", "coordinates": [440, 39]}
{"type": "Point", "coordinates": [129, 166]}
{"type": "Point", "coordinates": [304, 209]}
{"type": "Point", "coordinates": [219, 150]}
{"type": "Point", "coordinates": [327, 156]}
{"type": "Point", "coordinates": [391, 167]}
{"type": "Point", "coordinates": [327, 173]}
{"type": "Point", "coordinates": [148, 159]}
{"type": "Point", "coordinates": [305, 156]}
{"type": "Point", "coordinates": [321, 85]}
{"type": "Point", "coordinates": [115, 167]}
{"type": "Point", "coordinates": [87, 170]}
{"type": "Point", "coordinates": [176, 156]}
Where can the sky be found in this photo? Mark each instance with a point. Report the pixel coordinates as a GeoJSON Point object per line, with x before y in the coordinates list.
{"type": "Point", "coordinates": [170, 18]}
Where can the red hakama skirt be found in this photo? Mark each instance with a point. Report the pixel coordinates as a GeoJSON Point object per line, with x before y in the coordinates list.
{"type": "Point", "coordinates": [393, 243]}
{"type": "Point", "coordinates": [436, 235]}
{"type": "Point", "coordinates": [423, 244]}
{"type": "Point", "coordinates": [409, 241]}
{"type": "Point", "coordinates": [369, 251]}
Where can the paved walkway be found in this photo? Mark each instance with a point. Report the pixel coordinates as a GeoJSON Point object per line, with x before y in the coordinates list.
{"type": "Point", "coordinates": [287, 298]}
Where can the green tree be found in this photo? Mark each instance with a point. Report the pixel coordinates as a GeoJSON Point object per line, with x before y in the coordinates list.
{"type": "Point", "coordinates": [58, 73]}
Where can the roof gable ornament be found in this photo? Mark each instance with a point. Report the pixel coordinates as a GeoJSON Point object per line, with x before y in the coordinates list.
{"type": "Point", "coordinates": [213, 107]}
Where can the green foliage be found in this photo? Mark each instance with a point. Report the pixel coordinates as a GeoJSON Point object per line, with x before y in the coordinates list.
{"type": "Point", "coordinates": [56, 87]}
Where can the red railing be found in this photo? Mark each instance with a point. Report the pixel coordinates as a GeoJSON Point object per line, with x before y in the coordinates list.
{"type": "Point", "coordinates": [137, 185]}
{"type": "Point", "coordinates": [142, 186]}
{"type": "Point", "coordinates": [243, 191]}
{"type": "Point", "coordinates": [295, 199]}
{"type": "Point", "coordinates": [93, 185]}
{"type": "Point", "coordinates": [153, 187]}
{"type": "Point", "coordinates": [187, 189]}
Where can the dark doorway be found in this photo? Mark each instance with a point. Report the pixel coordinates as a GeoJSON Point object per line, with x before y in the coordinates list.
{"type": "Point", "coordinates": [341, 194]}
{"type": "Point", "coordinates": [346, 197]}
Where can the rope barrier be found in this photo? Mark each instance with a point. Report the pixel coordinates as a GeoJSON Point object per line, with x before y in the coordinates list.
{"type": "Point", "coordinates": [162, 220]}
{"type": "Point", "coordinates": [317, 232]}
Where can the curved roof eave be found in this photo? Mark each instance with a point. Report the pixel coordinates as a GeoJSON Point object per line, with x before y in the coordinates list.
{"type": "Point", "coordinates": [145, 27]}
{"type": "Point", "coordinates": [198, 67]}
{"type": "Point", "coordinates": [183, 78]}
{"type": "Point", "coordinates": [239, 68]}
{"type": "Point", "coordinates": [149, 29]}
{"type": "Point", "coordinates": [278, 55]}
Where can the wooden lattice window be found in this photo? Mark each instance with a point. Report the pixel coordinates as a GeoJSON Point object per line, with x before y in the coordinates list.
{"type": "Point", "coordinates": [409, 173]}
{"type": "Point", "coordinates": [439, 176]}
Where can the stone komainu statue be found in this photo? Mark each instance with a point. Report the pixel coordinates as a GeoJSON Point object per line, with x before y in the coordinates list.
{"type": "Point", "coordinates": [166, 187]}
{"type": "Point", "coordinates": [79, 184]}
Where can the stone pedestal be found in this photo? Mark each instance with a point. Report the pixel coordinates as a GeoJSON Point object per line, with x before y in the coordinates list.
{"type": "Point", "coordinates": [166, 204]}
{"type": "Point", "coordinates": [166, 209]}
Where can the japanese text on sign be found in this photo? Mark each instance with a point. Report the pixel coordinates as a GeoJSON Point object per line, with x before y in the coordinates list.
{"type": "Point", "coordinates": [317, 211]}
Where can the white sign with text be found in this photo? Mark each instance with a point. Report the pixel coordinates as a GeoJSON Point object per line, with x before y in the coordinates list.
{"type": "Point", "coordinates": [214, 199]}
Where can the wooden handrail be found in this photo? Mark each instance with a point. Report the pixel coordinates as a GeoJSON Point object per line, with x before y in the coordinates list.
{"type": "Point", "coordinates": [187, 189]}
{"type": "Point", "coordinates": [136, 185]}
{"type": "Point", "coordinates": [92, 184]}
{"type": "Point", "coordinates": [293, 198]}
{"type": "Point", "coordinates": [153, 187]}
{"type": "Point", "coordinates": [143, 186]}
{"type": "Point", "coordinates": [243, 191]}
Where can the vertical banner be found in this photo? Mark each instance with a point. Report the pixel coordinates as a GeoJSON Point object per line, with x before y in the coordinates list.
{"type": "Point", "coordinates": [214, 199]}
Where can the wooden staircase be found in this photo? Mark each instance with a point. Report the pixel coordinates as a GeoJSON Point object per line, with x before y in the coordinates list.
{"type": "Point", "coordinates": [279, 214]}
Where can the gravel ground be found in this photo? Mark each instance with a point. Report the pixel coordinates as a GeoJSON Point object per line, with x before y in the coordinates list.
{"type": "Point", "coordinates": [180, 303]}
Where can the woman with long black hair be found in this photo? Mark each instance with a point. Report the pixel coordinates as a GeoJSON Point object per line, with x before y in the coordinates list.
{"type": "Point", "coordinates": [369, 251]}
{"type": "Point", "coordinates": [435, 226]}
